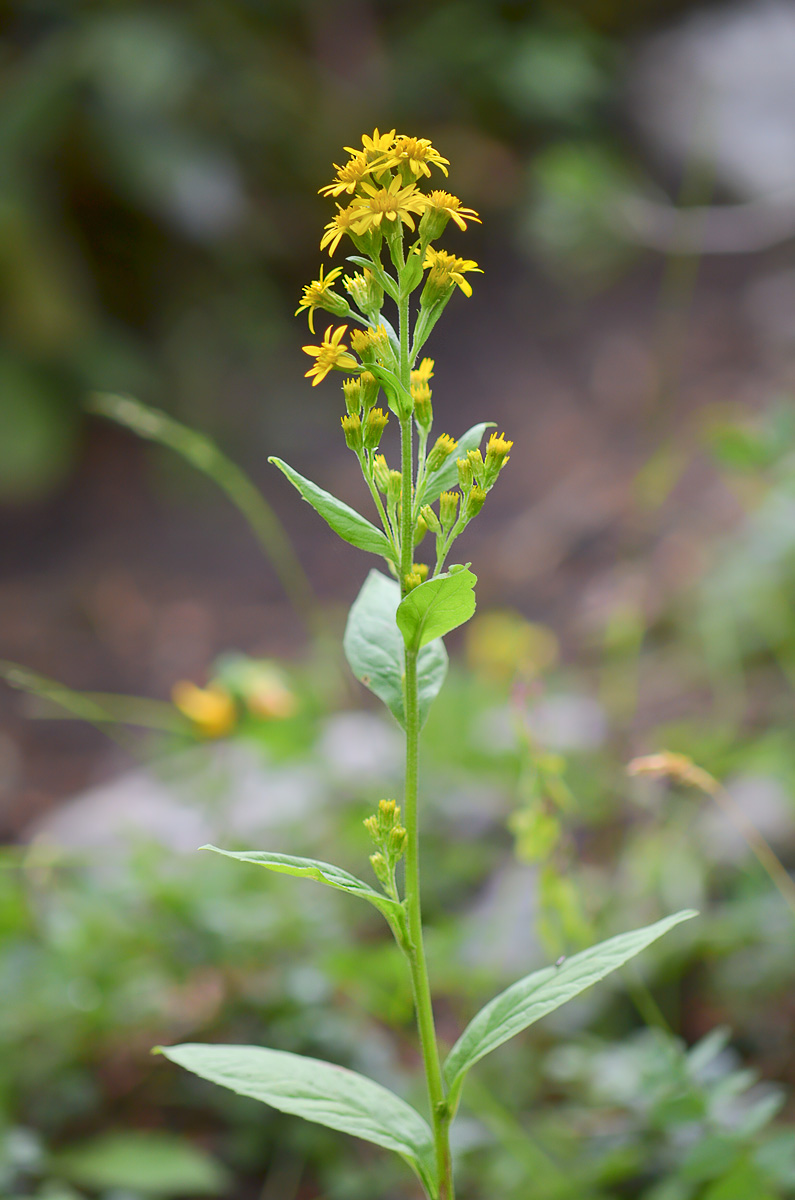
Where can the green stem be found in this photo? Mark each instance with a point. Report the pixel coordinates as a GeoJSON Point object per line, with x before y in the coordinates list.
{"type": "Point", "coordinates": [367, 471]}
{"type": "Point", "coordinates": [415, 951]}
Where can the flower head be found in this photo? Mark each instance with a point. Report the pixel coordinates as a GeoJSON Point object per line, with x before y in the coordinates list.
{"type": "Point", "coordinates": [211, 710]}
{"type": "Point", "coordinates": [415, 154]}
{"type": "Point", "coordinates": [331, 355]}
{"type": "Point", "coordinates": [441, 207]}
{"type": "Point", "coordinates": [339, 225]}
{"type": "Point", "coordinates": [394, 203]}
{"type": "Point", "coordinates": [376, 146]}
{"type": "Point", "coordinates": [446, 270]}
{"type": "Point", "coordinates": [317, 294]}
{"type": "Point", "coordinates": [423, 373]}
{"type": "Point", "coordinates": [349, 176]}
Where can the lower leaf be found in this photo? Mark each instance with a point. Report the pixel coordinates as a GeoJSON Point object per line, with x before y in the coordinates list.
{"type": "Point", "coordinates": [317, 1091]}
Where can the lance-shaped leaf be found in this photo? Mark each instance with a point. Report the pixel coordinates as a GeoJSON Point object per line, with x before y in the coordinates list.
{"type": "Point", "coordinates": [321, 872]}
{"type": "Point", "coordinates": [542, 992]}
{"type": "Point", "coordinates": [436, 607]}
{"type": "Point", "coordinates": [317, 1091]}
{"type": "Point", "coordinates": [351, 526]}
{"type": "Point", "coordinates": [375, 651]}
{"type": "Point", "coordinates": [447, 475]}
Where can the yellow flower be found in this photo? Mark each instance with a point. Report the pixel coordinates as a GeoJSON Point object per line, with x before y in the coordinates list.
{"type": "Point", "coordinates": [376, 146]}
{"type": "Point", "coordinates": [423, 372]}
{"type": "Point", "coordinates": [450, 206]}
{"type": "Point", "coordinates": [339, 224]}
{"type": "Point", "coordinates": [331, 355]}
{"type": "Point", "coordinates": [348, 177]}
{"type": "Point", "coordinates": [446, 269]}
{"type": "Point", "coordinates": [317, 295]}
{"type": "Point", "coordinates": [210, 709]}
{"type": "Point", "coordinates": [416, 154]}
{"type": "Point", "coordinates": [393, 203]}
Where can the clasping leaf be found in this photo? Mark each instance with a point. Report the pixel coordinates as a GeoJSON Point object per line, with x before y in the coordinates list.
{"type": "Point", "coordinates": [317, 1091]}
{"type": "Point", "coordinates": [374, 648]}
{"type": "Point", "coordinates": [542, 992]}
{"type": "Point", "coordinates": [436, 607]}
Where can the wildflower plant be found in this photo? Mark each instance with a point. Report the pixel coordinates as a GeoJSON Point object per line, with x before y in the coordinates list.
{"type": "Point", "coordinates": [393, 639]}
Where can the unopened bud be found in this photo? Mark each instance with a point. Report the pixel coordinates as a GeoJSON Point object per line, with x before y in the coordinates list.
{"type": "Point", "coordinates": [370, 389]}
{"type": "Point", "coordinates": [475, 501]}
{"type": "Point", "coordinates": [397, 841]}
{"type": "Point", "coordinates": [496, 456]}
{"type": "Point", "coordinates": [353, 395]}
{"type": "Point", "coordinates": [374, 426]}
{"type": "Point", "coordinates": [378, 863]}
{"type": "Point", "coordinates": [366, 291]}
{"type": "Point", "coordinates": [423, 408]}
{"type": "Point", "coordinates": [478, 466]}
{"type": "Point", "coordinates": [465, 473]}
{"type": "Point", "coordinates": [381, 473]}
{"type": "Point", "coordinates": [388, 812]}
{"type": "Point", "coordinates": [448, 507]}
{"type": "Point", "coordinates": [430, 518]}
{"type": "Point", "coordinates": [394, 487]}
{"type": "Point", "coordinates": [352, 428]}
{"type": "Point", "coordinates": [371, 825]}
{"type": "Point", "coordinates": [441, 450]}
{"type": "Point", "coordinates": [412, 581]}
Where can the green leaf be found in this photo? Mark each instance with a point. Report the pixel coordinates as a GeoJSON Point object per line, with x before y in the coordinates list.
{"type": "Point", "coordinates": [321, 872]}
{"type": "Point", "coordinates": [375, 650]}
{"type": "Point", "coordinates": [436, 606]}
{"type": "Point", "coordinates": [351, 526]}
{"type": "Point", "coordinates": [542, 992]}
{"type": "Point", "coordinates": [317, 1091]}
{"type": "Point", "coordinates": [158, 1164]}
{"type": "Point", "coordinates": [447, 476]}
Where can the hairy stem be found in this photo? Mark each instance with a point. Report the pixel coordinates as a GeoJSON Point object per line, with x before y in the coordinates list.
{"type": "Point", "coordinates": [415, 951]}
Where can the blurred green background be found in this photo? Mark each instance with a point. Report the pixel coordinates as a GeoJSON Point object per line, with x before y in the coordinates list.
{"type": "Point", "coordinates": [633, 333]}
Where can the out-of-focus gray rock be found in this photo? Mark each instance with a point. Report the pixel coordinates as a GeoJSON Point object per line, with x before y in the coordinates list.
{"type": "Point", "coordinates": [765, 803]}
{"type": "Point", "coordinates": [200, 796]}
{"type": "Point", "coordinates": [720, 87]}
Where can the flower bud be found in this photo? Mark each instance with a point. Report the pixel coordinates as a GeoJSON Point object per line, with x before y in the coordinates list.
{"type": "Point", "coordinates": [448, 508]}
{"type": "Point", "coordinates": [378, 863]}
{"type": "Point", "coordinates": [496, 456]}
{"type": "Point", "coordinates": [465, 474]}
{"type": "Point", "coordinates": [394, 488]}
{"type": "Point", "coordinates": [478, 466]}
{"type": "Point", "coordinates": [371, 825]}
{"type": "Point", "coordinates": [412, 581]}
{"type": "Point", "coordinates": [374, 426]}
{"type": "Point", "coordinates": [366, 291]}
{"type": "Point", "coordinates": [388, 813]}
{"type": "Point", "coordinates": [352, 391]}
{"type": "Point", "coordinates": [440, 451]}
{"type": "Point", "coordinates": [420, 531]}
{"type": "Point", "coordinates": [370, 389]}
{"type": "Point", "coordinates": [381, 474]}
{"type": "Point", "coordinates": [475, 501]}
{"type": "Point", "coordinates": [352, 428]}
{"type": "Point", "coordinates": [397, 842]}
{"type": "Point", "coordinates": [423, 409]}
{"type": "Point", "coordinates": [430, 518]}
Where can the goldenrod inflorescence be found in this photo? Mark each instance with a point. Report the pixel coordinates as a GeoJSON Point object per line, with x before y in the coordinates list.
{"type": "Point", "coordinates": [391, 223]}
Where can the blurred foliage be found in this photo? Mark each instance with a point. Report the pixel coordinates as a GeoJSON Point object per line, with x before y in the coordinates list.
{"type": "Point", "coordinates": [160, 165]}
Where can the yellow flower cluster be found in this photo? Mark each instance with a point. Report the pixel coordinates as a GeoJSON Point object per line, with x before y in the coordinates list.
{"type": "Point", "coordinates": [378, 197]}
